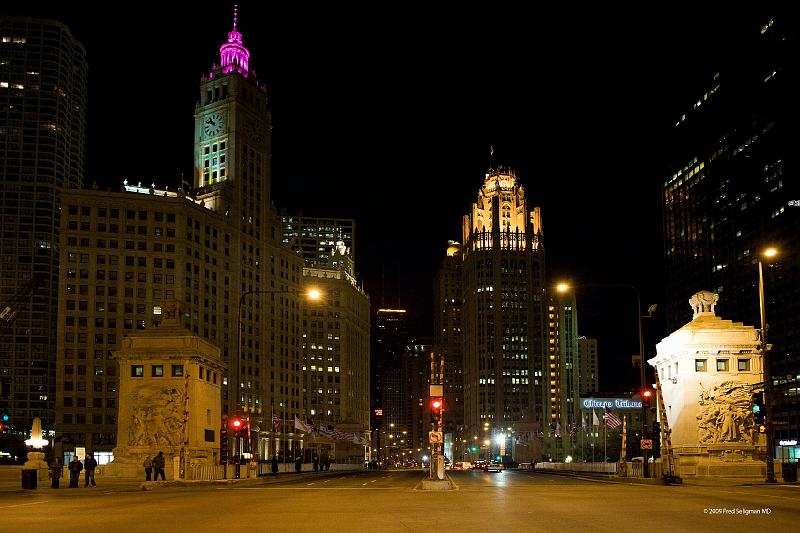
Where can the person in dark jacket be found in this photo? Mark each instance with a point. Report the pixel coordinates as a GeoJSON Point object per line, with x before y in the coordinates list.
{"type": "Point", "coordinates": [158, 466]}
{"type": "Point", "coordinates": [75, 468]}
{"type": "Point", "coordinates": [274, 465]}
{"type": "Point", "coordinates": [89, 465]}
{"type": "Point", "coordinates": [55, 472]}
{"type": "Point", "coordinates": [298, 464]}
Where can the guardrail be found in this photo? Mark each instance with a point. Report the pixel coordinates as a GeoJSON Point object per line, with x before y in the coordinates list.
{"type": "Point", "coordinates": [603, 468]}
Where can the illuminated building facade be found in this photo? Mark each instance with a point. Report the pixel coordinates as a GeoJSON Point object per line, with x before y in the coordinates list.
{"type": "Point", "coordinates": [43, 77]}
{"type": "Point", "coordinates": [125, 253]}
{"type": "Point", "coordinates": [336, 332]}
{"type": "Point", "coordinates": [561, 409]}
{"type": "Point", "coordinates": [448, 339]}
{"type": "Point", "coordinates": [503, 307]}
{"type": "Point", "coordinates": [731, 191]}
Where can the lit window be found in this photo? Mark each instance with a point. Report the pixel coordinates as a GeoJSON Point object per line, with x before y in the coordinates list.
{"type": "Point", "coordinates": [699, 365]}
{"type": "Point", "coordinates": [722, 365]}
{"type": "Point", "coordinates": [744, 365]}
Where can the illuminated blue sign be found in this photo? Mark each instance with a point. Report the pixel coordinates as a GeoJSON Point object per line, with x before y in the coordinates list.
{"type": "Point", "coordinates": [610, 403]}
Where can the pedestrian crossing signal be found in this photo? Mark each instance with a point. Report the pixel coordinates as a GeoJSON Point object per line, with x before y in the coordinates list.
{"type": "Point", "coordinates": [762, 428]}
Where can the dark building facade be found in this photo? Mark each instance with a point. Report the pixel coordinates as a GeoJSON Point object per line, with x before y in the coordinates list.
{"type": "Point", "coordinates": [448, 341]}
{"type": "Point", "coordinates": [390, 336]}
{"type": "Point", "coordinates": [43, 76]}
{"type": "Point", "coordinates": [732, 191]}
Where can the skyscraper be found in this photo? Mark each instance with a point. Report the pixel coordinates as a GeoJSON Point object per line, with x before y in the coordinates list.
{"type": "Point", "coordinates": [336, 330]}
{"type": "Point", "coordinates": [43, 76]}
{"type": "Point", "coordinates": [561, 411]}
{"type": "Point", "coordinates": [218, 251]}
{"type": "Point", "coordinates": [731, 191]}
{"type": "Point", "coordinates": [391, 337]}
{"type": "Point", "coordinates": [448, 339]}
{"type": "Point", "coordinates": [503, 313]}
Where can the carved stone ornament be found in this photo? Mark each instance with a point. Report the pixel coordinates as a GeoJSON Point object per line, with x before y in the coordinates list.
{"type": "Point", "coordinates": [157, 416]}
{"type": "Point", "coordinates": [703, 302]}
{"type": "Point", "coordinates": [726, 415]}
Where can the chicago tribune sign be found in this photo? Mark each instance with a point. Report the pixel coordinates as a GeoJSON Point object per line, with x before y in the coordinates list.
{"type": "Point", "coordinates": [610, 403]}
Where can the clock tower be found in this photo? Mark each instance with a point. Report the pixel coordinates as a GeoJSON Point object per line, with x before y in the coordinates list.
{"type": "Point", "coordinates": [232, 140]}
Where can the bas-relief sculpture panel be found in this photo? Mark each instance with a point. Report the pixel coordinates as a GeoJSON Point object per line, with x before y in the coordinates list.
{"type": "Point", "coordinates": [726, 415]}
{"type": "Point", "coordinates": [157, 416]}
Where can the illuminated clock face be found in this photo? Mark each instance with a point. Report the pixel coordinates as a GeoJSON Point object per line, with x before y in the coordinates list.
{"type": "Point", "coordinates": [212, 125]}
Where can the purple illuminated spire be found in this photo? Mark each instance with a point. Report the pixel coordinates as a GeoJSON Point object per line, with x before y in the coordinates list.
{"type": "Point", "coordinates": [234, 57]}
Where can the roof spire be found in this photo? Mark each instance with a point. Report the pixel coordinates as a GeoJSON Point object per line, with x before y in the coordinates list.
{"type": "Point", "coordinates": [234, 57]}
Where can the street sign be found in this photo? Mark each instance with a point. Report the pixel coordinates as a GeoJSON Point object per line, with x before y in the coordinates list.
{"type": "Point", "coordinates": [435, 437]}
{"type": "Point", "coordinates": [646, 444]}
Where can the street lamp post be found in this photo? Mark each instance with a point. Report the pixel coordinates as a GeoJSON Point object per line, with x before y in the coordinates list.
{"type": "Point", "coordinates": [769, 252]}
{"type": "Point", "coordinates": [311, 294]}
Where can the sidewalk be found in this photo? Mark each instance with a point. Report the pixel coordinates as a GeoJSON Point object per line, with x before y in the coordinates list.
{"type": "Point", "coordinates": [105, 484]}
{"type": "Point", "coordinates": [700, 481]}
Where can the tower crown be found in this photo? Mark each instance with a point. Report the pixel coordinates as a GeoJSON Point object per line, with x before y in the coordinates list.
{"type": "Point", "coordinates": [233, 56]}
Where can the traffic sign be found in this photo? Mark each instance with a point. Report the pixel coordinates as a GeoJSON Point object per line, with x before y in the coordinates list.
{"type": "Point", "coordinates": [646, 444]}
{"type": "Point", "coordinates": [435, 437]}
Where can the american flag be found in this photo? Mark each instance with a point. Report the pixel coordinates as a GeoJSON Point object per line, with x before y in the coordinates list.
{"type": "Point", "coordinates": [276, 422]}
{"type": "Point", "coordinates": [573, 429]}
{"type": "Point", "coordinates": [612, 420]}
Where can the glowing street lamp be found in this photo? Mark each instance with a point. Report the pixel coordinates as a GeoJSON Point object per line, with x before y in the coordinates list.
{"type": "Point", "coordinates": [768, 253]}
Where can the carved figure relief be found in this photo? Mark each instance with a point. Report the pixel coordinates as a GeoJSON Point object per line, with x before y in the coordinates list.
{"type": "Point", "coordinates": [726, 414]}
{"type": "Point", "coordinates": [157, 417]}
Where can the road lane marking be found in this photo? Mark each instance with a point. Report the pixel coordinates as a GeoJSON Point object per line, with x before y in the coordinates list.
{"type": "Point", "coordinates": [309, 484]}
{"type": "Point", "coordinates": [24, 504]}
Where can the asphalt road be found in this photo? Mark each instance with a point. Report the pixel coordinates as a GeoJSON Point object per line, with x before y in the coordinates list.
{"type": "Point", "coordinates": [390, 501]}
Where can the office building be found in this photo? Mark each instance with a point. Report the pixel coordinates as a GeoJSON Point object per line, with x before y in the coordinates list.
{"type": "Point", "coordinates": [731, 192]}
{"type": "Point", "coordinates": [588, 376]}
{"type": "Point", "coordinates": [448, 340]}
{"type": "Point", "coordinates": [217, 251]}
{"type": "Point", "coordinates": [503, 309]}
{"type": "Point", "coordinates": [43, 77]}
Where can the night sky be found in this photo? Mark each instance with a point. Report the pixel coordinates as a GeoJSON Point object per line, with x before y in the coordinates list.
{"type": "Point", "coordinates": [385, 114]}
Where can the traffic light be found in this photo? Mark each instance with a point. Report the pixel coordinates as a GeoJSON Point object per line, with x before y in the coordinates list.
{"type": "Point", "coordinates": [762, 428]}
{"type": "Point", "coordinates": [236, 424]}
{"type": "Point", "coordinates": [437, 406]}
{"type": "Point", "coordinates": [474, 449]}
{"type": "Point", "coordinates": [758, 408]}
{"type": "Point", "coordinates": [646, 395]}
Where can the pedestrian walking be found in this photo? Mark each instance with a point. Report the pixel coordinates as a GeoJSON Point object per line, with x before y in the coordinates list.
{"type": "Point", "coordinates": [298, 464]}
{"type": "Point", "coordinates": [148, 468]}
{"type": "Point", "coordinates": [274, 465]}
{"type": "Point", "coordinates": [158, 466]}
{"type": "Point", "coordinates": [316, 463]}
{"type": "Point", "coordinates": [55, 471]}
{"type": "Point", "coordinates": [75, 468]}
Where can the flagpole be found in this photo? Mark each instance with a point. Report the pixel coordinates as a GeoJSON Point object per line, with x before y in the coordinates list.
{"type": "Point", "coordinates": [605, 438]}
{"type": "Point", "coordinates": [594, 417]}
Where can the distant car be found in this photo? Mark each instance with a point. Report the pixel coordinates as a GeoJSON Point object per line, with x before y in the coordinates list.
{"type": "Point", "coordinates": [493, 467]}
{"type": "Point", "coordinates": [478, 465]}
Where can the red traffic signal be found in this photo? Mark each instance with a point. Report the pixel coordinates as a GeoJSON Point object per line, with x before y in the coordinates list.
{"type": "Point", "coordinates": [436, 404]}
{"type": "Point", "coordinates": [647, 394]}
{"type": "Point", "coordinates": [236, 424]}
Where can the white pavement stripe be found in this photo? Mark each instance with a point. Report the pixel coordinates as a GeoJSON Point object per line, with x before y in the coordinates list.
{"type": "Point", "coordinates": [24, 504]}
